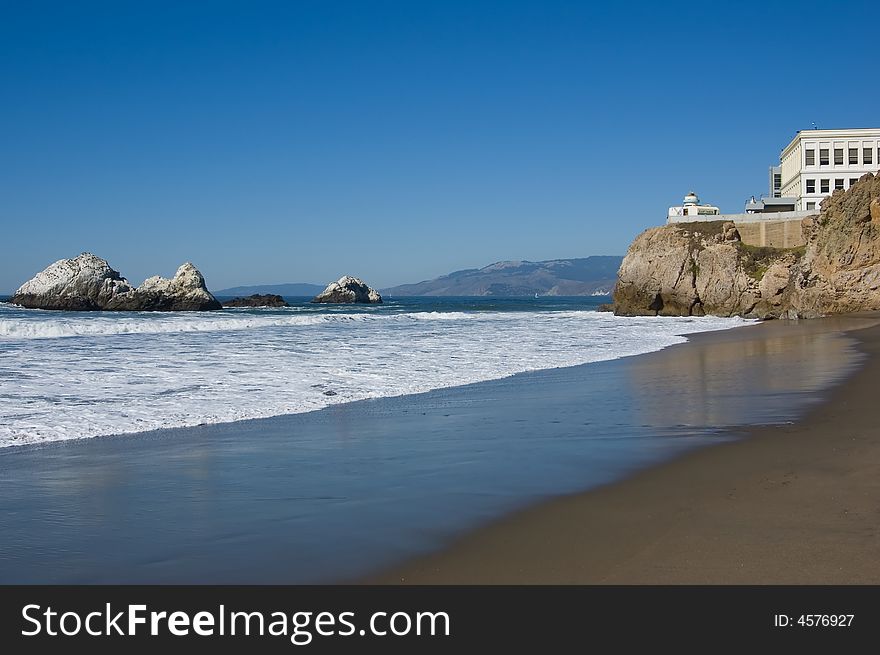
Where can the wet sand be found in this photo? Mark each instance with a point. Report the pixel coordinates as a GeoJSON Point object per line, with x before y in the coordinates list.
{"type": "Point", "coordinates": [333, 495]}
{"type": "Point", "coordinates": [785, 504]}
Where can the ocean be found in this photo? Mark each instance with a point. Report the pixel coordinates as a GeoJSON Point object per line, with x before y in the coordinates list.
{"type": "Point", "coordinates": [434, 416]}
{"type": "Point", "coordinates": [72, 375]}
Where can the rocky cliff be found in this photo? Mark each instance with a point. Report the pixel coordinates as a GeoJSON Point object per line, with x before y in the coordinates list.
{"type": "Point", "coordinates": [703, 268]}
{"type": "Point", "coordinates": [348, 289]}
{"type": "Point", "coordinates": [88, 283]}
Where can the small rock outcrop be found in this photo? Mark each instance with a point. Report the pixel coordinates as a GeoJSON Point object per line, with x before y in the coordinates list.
{"type": "Point", "coordinates": [185, 292]}
{"type": "Point", "coordinates": [88, 283]}
{"type": "Point", "coordinates": [703, 268]}
{"type": "Point", "coordinates": [348, 289]}
{"type": "Point", "coordinates": [257, 300]}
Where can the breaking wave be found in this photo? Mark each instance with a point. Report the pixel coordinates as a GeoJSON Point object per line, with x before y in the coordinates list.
{"type": "Point", "coordinates": [76, 375]}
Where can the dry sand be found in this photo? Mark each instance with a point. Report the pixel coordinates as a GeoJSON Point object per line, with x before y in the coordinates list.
{"type": "Point", "coordinates": [792, 504]}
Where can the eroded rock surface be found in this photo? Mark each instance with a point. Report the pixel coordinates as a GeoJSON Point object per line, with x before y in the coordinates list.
{"type": "Point", "coordinates": [699, 268]}
{"type": "Point", "coordinates": [348, 289]}
{"type": "Point", "coordinates": [88, 283]}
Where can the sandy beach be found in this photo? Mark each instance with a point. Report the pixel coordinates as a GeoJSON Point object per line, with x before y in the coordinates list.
{"type": "Point", "coordinates": [789, 504]}
{"type": "Point", "coordinates": [359, 488]}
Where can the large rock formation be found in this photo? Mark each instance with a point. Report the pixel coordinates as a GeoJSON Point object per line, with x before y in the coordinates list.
{"type": "Point", "coordinates": [87, 283]}
{"type": "Point", "coordinates": [84, 283]}
{"type": "Point", "coordinates": [703, 268]}
{"type": "Point", "coordinates": [257, 300]}
{"type": "Point", "coordinates": [348, 289]}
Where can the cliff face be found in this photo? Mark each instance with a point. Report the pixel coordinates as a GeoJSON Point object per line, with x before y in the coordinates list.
{"type": "Point", "coordinates": [703, 268]}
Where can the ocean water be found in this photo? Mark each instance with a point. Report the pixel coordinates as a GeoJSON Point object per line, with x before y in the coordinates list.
{"type": "Point", "coordinates": [73, 375]}
{"type": "Point", "coordinates": [332, 495]}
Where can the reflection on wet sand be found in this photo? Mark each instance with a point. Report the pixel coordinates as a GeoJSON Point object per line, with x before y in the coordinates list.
{"type": "Point", "coordinates": [333, 494]}
{"type": "Point", "coordinates": [741, 377]}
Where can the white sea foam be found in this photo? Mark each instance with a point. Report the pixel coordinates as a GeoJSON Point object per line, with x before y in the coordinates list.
{"type": "Point", "coordinates": [98, 325]}
{"type": "Point", "coordinates": [133, 372]}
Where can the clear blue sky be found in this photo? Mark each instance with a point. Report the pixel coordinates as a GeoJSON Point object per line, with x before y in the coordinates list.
{"type": "Point", "coordinates": [298, 141]}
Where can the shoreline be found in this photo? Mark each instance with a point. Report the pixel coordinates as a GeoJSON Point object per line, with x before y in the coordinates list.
{"type": "Point", "coordinates": [244, 373]}
{"type": "Point", "coordinates": [780, 504]}
{"type": "Point", "coordinates": [343, 492]}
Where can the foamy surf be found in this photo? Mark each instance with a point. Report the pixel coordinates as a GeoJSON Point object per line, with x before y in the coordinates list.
{"type": "Point", "coordinates": [45, 326]}
{"type": "Point", "coordinates": [136, 372]}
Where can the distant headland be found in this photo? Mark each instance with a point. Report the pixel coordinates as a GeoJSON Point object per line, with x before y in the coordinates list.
{"type": "Point", "coordinates": [584, 276]}
{"type": "Point", "coordinates": [587, 276]}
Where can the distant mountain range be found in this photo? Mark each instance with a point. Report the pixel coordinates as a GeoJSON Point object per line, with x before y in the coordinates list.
{"type": "Point", "coordinates": [557, 277]}
{"type": "Point", "coordinates": [297, 289]}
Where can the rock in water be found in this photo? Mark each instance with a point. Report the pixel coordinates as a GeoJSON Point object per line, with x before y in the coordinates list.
{"type": "Point", "coordinates": [87, 283]}
{"type": "Point", "coordinates": [186, 291]}
{"type": "Point", "coordinates": [84, 283]}
{"type": "Point", "coordinates": [348, 289]}
{"type": "Point", "coordinates": [257, 300]}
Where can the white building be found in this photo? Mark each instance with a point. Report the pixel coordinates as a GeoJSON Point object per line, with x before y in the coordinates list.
{"type": "Point", "coordinates": [775, 182]}
{"type": "Point", "coordinates": [691, 210]}
{"type": "Point", "coordinates": [811, 167]}
{"type": "Point", "coordinates": [817, 162]}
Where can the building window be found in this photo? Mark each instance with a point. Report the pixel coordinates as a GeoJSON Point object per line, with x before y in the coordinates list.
{"type": "Point", "coordinates": [810, 157]}
{"type": "Point", "coordinates": [811, 205]}
{"type": "Point", "coordinates": [838, 156]}
{"type": "Point", "coordinates": [867, 155]}
{"type": "Point", "coordinates": [823, 186]}
{"type": "Point", "coordinates": [811, 187]}
{"type": "Point", "coordinates": [823, 156]}
{"type": "Point", "coordinates": [853, 155]}
{"type": "Point", "coordinates": [838, 183]}
{"type": "Point", "coordinates": [853, 180]}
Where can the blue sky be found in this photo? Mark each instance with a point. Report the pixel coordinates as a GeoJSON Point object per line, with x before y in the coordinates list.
{"type": "Point", "coordinates": [298, 141]}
